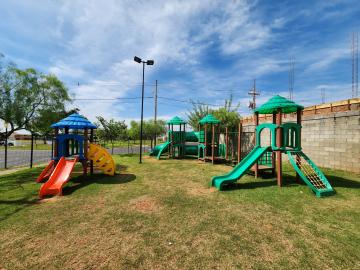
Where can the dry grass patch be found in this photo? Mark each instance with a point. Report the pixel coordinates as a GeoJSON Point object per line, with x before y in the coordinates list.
{"type": "Point", "coordinates": [162, 215]}
{"type": "Point", "coordinates": [196, 189]}
{"type": "Point", "coordinates": [145, 204]}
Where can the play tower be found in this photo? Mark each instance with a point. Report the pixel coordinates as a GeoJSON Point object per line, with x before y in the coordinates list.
{"type": "Point", "coordinates": [73, 144]}
{"type": "Point", "coordinates": [209, 128]}
{"type": "Point", "coordinates": [176, 137]}
{"type": "Point", "coordinates": [285, 138]}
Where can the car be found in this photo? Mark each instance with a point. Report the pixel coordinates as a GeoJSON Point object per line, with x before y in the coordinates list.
{"type": "Point", "coordinates": [9, 143]}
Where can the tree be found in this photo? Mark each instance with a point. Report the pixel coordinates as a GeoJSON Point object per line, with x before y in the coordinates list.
{"type": "Point", "coordinates": [197, 112]}
{"type": "Point", "coordinates": [228, 115]}
{"type": "Point", "coordinates": [228, 119]}
{"type": "Point", "coordinates": [41, 124]}
{"type": "Point", "coordinates": [150, 128]}
{"type": "Point", "coordinates": [26, 95]}
{"type": "Point", "coordinates": [134, 131]}
{"type": "Point", "coordinates": [111, 130]}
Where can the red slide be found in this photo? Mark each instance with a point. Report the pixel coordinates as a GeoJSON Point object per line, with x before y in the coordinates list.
{"type": "Point", "coordinates": [58, 178]}
{"type": "Point", "coordinates": [46, 172]}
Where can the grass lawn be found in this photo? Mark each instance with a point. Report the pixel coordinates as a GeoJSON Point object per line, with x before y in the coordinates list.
{"type": "Point", "coordinates": [163, 215]}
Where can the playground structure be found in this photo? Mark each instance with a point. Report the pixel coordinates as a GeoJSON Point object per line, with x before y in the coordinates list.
{"type": "Point", "coordinates": [209, 145]}
{"type": "Point", "coordinates": [204, 144]}
{"type": "Point", "coordinates": [285, 138]}
{"type": "Point", "coordinates": [73, 144]}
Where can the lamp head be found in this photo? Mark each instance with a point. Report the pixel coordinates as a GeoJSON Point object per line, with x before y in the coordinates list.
{"type": "Point", "coordinates": [150, 62]}
{"type": "Point", "coordinates": [137, 59]}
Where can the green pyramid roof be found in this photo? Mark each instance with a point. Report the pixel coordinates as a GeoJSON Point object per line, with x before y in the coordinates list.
{"type": "Point", "coordinates": [176, 121]}
{"type": "Point", "coordinates": [278, 102]}
{"type": "Point", "coordinates": [209, 119]}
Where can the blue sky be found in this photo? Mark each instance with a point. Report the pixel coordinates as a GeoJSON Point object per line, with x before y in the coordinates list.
{"type": "Point", "coordinates": [203, 50]}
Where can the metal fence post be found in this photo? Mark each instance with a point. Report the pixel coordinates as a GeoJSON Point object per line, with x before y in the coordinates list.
{"type": "Point", "coordinates": [32, 150]}
{"type": "Point", "coordinates": [6, 145]}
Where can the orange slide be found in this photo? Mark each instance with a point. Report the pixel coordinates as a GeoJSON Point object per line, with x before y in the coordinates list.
{"type": "Point", "coordinates": [58, 178]}
{"type": "Point", "coordinates": [46, 172]}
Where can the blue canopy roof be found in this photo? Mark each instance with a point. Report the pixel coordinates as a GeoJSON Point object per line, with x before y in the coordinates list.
{"type": "Point", "coordinates": [74, 121]}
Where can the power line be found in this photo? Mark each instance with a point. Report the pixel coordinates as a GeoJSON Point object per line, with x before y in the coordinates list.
{"type": "Point", "coordinates": [111, 99]}
{"type": "Point", "coordinates": [156, 97]}
{"type": "Point", "coordinates": [194, 102]}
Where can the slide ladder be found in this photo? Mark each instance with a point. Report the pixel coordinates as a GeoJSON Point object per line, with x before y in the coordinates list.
{"type": "Point", "coordinates": [101, 158]}
{"type": "Point", "coordinates": [58, 178]}
{"type": "Point", "coordinates": [310, 173]}
{"type": "Point", "coordinates": [240, 169]}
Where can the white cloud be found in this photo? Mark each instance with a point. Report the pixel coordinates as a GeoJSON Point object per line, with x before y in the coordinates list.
{"type": "Point", "coordinates": [61, 69]}
{"type": "Point", "coordinates": [323, 58]}
{"type": "Point", "coordinates": [95, 42]}
{"type": "Point", "coordinates": [101, 40]}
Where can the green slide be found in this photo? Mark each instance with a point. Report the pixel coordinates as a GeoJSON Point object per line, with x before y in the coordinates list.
{"type": "Point", "coordinates": [310, 173]}
{"type": "Point", "coordinates": [159, 149]}
{"type": "Point", "coordinates": [156, 150]}
{"type": "Point", "coordinates": [240, 169]}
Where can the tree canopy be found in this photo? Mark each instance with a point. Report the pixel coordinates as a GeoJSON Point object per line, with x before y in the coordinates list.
{"type": "Point", "coordinates": [228, 114]}
{"type": "Point", "coordinates": [111, 130]}
{"type": "Point", "coordinates": [28, 97]}
{"type": "Point", "coordinates": [150, 128]}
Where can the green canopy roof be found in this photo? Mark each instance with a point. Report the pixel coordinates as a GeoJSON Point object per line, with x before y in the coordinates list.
{"type": "Point", "coordinates": [209, 119]}
{"type": "Point", "coordinates": [278, 102]}
{"type": "Point", "coordinates": [176, 121]}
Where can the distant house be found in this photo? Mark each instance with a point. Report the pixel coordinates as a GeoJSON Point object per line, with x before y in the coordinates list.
{"type": "Point", "coordinates": [22, 137]}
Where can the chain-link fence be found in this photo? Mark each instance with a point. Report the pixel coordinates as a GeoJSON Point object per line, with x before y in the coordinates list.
{"type": "Point", "coordinates": [30, 151]}
{"type": "Point", "coordinates": [34, 150]}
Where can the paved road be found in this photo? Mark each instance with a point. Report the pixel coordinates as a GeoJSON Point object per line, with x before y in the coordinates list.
{"type": "Point", "coordinates": [22, 157]}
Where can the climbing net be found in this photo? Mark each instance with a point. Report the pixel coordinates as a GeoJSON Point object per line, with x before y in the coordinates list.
{"type": "Point", "coordinates": [309, 171]}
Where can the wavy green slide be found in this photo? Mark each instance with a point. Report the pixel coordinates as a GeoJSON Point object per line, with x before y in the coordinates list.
{"type": "Point", "coordinates": [159, 149]}
{"type": "Point", "coordinates": [240, 169]}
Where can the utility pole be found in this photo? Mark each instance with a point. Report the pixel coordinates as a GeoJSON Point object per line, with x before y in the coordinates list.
{"type": "Point", "coordinates": [355, 62]}
{"type": "Point", "coordinates": [322, 95]}
{"type": "Point", "coordinates": [253, 93]}
{"type": "Point", "coordinates": [155, 109]}
{"type": "Point", "coordinates": [291, 77]}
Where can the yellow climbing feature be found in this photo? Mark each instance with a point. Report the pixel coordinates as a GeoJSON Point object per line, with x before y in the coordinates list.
{"type": "Point", "coordinates": [101, 158]}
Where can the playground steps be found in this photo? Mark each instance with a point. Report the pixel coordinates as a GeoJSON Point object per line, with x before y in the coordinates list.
{"type": "Point", "coordinates": [310, 173]}
{"type": "Point", "coordinates": [101, 158]}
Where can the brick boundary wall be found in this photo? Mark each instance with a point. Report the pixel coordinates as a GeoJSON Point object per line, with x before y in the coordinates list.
{"type": "Point", "coordinates": [330, 133]}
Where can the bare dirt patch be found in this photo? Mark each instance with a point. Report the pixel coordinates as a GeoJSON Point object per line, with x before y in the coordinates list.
{"type": "Point", "coordinates": [49, 200]}
{"type": "Point", "coordinates": [199, 190]}
{"type": "Point", "coordinates": [145, 204]}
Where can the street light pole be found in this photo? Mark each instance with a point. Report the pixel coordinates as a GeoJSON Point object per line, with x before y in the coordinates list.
{"type": "Point", "coordinates": [150, 63]}
{"type": "Point", "coordinates": [142, 111]}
